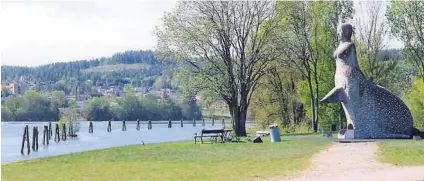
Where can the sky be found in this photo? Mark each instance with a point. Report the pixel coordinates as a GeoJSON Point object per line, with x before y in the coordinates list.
{"type": "Point", "coordinates": [40, 32]}
{"type": "Point", "coordinates": [35, 32]}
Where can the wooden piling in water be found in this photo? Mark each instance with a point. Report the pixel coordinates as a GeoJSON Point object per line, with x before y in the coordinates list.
{"type": "Point", "coordinates": [149, 124]}
{"type": "Point", "coordinates": [124, 127]}
{"type": "Point", "coordinates": [56, 134]}
{"type": "Point", "coordinates": [182, 123]}
{"type": "Point", "coordinates": [50, 131]}
{"type": "Point", "coordinates": [223, 123]}
{"type": "Point", "coordinates": [169, 124]}
{"type": "Point", "coordinates": [109, 127]}
{"type": "Point", "coordinates": [33, 139]}
{"type": "Point", "coordinates": [194, 123]}
{"type": "Point", "coordinates": [36, 138]}
{"type": "Point", "coordinates": [213, 122]}
{"type": "Point", "coordinates": [46, 135]}
{"type": "Point", "coordinates": [138, 125]}
{"type": "Point", "coordinates": [90, 128]}
{"type": "Point", "coordinates": [203, 122]}
{"type": "Point", "coordinates": [64, 132]}
{"type": "Point", "coordinates": [23, 139]}
{"type": "Point", "coordinates": [27, 139]}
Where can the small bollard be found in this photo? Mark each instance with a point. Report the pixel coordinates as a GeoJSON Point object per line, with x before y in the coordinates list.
{"type": "Point", "coordinates": [203, 122]}
{"type": "Point", "coordinates": [182, 123]}
{"type": "Point", "coordinates": [213, 122]}
{"type": "Point", "coordinates": [194, 123]}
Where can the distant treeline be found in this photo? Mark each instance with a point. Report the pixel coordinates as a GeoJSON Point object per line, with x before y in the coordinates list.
{"type": "Point", "coordinates": [130, 107]}
{"type": "Point", "coordinates": [65, 76]}
{"type": "Point", "coordinates": [34, 106]}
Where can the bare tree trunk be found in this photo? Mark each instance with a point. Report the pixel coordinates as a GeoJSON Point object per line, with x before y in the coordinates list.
{"type": "Point", "coordinates": [316, 102]}
{"type": "Point", "coordinates": [311, 93]}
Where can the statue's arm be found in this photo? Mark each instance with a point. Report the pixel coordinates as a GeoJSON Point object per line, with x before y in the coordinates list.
{"type": "Point", "coordinates": [335, 95]}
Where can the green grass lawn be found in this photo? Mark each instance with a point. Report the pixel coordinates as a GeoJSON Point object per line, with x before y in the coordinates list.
{"type": "Point", "coordinates": [402, 152]}
{"type": "Point", "coordinates": [171, 161]}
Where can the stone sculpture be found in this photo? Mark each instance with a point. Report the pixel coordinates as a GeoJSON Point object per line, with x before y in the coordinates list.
{"type": "Point", "coordinates": [372, 110]}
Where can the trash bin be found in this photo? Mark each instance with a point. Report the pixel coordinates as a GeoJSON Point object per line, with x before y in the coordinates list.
{"type": "Point", "coordinates": [274, 133]}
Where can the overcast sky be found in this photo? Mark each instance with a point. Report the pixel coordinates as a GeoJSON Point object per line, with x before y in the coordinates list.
{"type": "Point", "coordinates": [40, 32]}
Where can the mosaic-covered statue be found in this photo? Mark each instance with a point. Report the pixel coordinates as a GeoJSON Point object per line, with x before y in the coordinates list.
{"type": "Point", "coordinates": [371, 110]}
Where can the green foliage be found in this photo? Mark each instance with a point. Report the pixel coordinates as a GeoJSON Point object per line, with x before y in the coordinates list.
{"type": "Point", "coordinates": [70, 121]}
{"type": "Point", "coordinates": [131, 107]}
{"type": "Point", "coordinates": [32, 107]}
{"type": "Point", "coordinates": [406, 23]}
{"type": "Point", "coordinates": [98, 109]}
{"type": "Point", "coordinates": [5, 92]}
{"type": "Point", "coordinates": [6, 114]}
{"type": "Point", "coordinates": [415, 101]}
{"type": "Point", "coordinates": [59, 98]}
{"type": "Point", "coordinates": [189, 107]}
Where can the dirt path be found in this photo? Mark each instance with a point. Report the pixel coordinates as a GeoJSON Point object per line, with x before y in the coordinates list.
{"type": "Point", "coordinates": [355, 162]}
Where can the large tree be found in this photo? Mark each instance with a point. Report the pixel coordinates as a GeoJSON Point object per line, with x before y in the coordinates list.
{"type": "Point", "coordinates": [310, 38]}
{"type": "Point", "coordinates": [223, 47]}
{"type": "Point", "coordinates": [406, 19]}
{"type": "Point", "coordinates": [372, 31]}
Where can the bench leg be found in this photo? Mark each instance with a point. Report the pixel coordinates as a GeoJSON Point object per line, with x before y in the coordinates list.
{"type": "Point", "coordinates": [201, 138]}
{"type": "Point", "coordinates": [195, 139]}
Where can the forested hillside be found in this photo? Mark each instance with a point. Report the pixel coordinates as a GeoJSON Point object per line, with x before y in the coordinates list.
{"type": "Point", "coordinates": [143, 71]}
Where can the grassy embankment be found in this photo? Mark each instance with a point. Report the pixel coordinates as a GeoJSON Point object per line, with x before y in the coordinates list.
{"type": "Point", "coordinates": [404, 153]}
{"type": "Point", "coordinates": [172, 161]}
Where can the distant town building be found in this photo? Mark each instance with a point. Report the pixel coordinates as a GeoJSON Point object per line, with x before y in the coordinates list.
{"type": "Point", "coordinates": [16, 88]}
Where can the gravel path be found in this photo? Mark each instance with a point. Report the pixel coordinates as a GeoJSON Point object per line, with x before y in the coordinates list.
{"type": "Point", "coordinates": [355, 162]}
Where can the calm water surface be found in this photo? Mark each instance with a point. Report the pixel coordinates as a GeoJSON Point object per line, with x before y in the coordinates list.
{"type": "Point", "coordinates": [11, 137]}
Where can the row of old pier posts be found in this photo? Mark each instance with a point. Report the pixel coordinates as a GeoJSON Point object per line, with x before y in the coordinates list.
{"type": "Point", "coordinates": [48, 132]}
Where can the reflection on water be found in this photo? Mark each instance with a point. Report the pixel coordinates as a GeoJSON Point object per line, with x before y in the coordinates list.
{"type": "Point", "coordinates": [11, 137]}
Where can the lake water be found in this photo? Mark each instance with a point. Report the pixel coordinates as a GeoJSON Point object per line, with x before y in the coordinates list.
{"type": "Point", "coordinates": [11, 137]}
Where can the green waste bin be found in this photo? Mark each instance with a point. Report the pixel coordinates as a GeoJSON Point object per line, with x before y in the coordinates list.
{"type": "Point", "coordinates": [274, 133]}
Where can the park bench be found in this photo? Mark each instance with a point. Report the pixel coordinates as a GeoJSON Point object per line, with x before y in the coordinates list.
{"type": "Point", "coordinates": [213, 134]}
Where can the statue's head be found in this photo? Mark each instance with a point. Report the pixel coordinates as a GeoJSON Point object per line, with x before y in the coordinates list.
{"type": "Point", "coordinates": [346, 31]}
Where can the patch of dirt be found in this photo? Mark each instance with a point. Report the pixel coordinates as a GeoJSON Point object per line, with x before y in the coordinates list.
{"type": "Point", "coordinates": [355, 162]}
